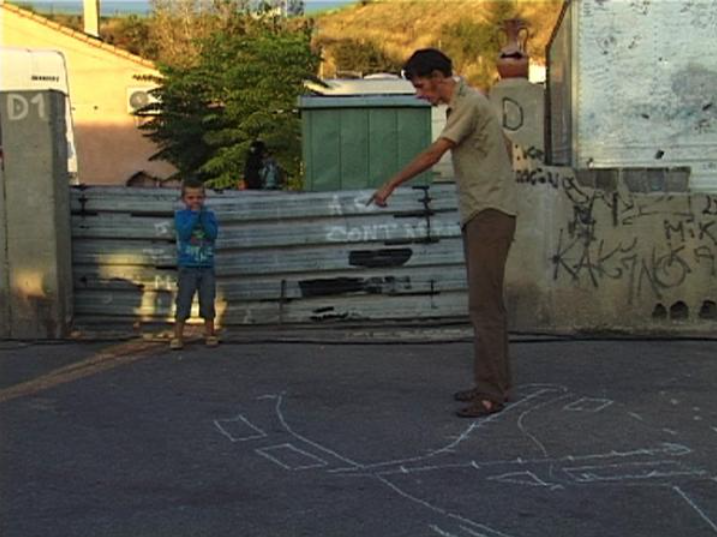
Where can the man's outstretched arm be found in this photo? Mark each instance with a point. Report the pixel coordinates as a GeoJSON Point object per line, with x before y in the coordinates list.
{"type": "Point", "coordinates": [425, 159]}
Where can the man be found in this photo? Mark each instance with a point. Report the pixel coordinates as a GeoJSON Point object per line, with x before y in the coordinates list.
{"type": "Point", "coordinates": [487, 204]}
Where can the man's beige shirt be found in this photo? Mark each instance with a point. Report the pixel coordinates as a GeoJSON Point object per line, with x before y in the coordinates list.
{"type": "Point", "coordinates": [484, 173]}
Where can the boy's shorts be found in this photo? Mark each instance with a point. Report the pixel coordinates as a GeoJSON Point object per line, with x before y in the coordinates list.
{"type": "Point", "coordinates": [189, 281]}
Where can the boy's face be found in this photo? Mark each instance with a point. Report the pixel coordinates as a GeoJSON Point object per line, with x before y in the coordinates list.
{"type": "Point", "coordinates": [193, 198]}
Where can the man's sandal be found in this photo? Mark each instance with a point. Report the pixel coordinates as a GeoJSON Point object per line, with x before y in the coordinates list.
{"type": "Point", "coordinates": [468, 396]}
{"type": "Point", "coordinates": [211, 341]}
{"type": "Point", "coordinates": [176, 344]}
{"type": "Point", "coordinates": [479, 410]}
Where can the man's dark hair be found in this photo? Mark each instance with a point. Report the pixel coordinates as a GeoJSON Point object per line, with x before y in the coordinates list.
{"type": "Point", "coordinates": [425, 61]}
{"type": "Point", "coordinates": [191, 182]}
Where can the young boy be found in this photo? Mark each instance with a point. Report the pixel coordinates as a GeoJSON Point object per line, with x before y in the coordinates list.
{"type": "Point", "coordinates": [197, 229]}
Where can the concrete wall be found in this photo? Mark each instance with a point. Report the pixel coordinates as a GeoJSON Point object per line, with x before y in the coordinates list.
{"type": "Point", "coordinates": [615, 249]}
{"type": "Point", "coordinates": [110, 147]}
{"type": "Point", "coordinates": [36, 287]}
{"type": "Point", "coordinates": [597, 251]}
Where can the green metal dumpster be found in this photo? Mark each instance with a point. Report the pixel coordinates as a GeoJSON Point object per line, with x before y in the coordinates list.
{"type": "Point", "coordinates": [355, 142]}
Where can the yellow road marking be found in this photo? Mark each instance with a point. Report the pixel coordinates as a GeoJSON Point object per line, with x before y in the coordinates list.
{"type": "Point", "coordinates": [105, 360]}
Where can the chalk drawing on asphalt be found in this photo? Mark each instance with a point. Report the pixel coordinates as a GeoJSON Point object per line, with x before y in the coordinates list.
{"type": "Point", "coordinates": [464, 531]}
{"type": "Point", "coordinates": [239, 429]}
{"type": "Point", "coordinates": [520, 478]}
{"type": "Point", "coordinates": [290, 457]}
{"type": "Point", "coordinates": [588, 404]}
{"type": "Point", "coordinates": [699, 511]}
{"type": "Point", "coordinates": [666, 467]}
{"type": "Point", "coordinates": [631, 471]}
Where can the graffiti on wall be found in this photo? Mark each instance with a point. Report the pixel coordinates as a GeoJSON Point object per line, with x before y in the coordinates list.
{"type": "Point", "coordinates": [653, 244]}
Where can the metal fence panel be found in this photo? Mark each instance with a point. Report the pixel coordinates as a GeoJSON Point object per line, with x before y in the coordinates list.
{"type": "Point", "coordinates": [282, 258]}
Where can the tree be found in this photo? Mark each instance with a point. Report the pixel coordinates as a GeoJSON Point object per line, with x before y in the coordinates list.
{"type": "Point", "coordinates": [178, 28]}
{"type": "Point", "coordinates": [130, 33]}
{"type": "Point", "coordinates": [363, 58]}
{"type": "Point", "coordinates": [474, 46]}
{"type": "Point", "coordinates": [242, 87]}
{"type": "Point", "coordinates": [295, 8]}
{"type": "Point", "coordinates": [286, 7]}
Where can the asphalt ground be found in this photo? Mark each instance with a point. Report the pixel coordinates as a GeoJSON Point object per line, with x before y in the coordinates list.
{"type": "Point", "coordinates": [337, 439]}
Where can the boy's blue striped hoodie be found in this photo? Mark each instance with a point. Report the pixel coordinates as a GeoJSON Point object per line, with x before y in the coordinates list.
{"type": "Point", "coordinates": [196, 233]}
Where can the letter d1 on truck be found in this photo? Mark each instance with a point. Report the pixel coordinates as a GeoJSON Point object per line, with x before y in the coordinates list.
{"type": "Point", "coordinates": [24, 69]}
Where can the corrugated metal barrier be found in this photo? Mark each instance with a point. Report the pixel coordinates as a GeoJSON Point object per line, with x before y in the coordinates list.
{"type": "Point", "coordinates": [282, 258]}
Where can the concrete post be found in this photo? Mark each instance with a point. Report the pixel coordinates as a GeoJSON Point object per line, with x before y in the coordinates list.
{"type": "Point", "coordinates": [521, 107]}
{"type": "Point", "coordinates": [35, 216]}
{"type": "Point", "coordinates": [4, 268]}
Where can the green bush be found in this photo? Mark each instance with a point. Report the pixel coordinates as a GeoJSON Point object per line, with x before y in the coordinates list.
{"type": "Point", "coordinates": [243, 86]}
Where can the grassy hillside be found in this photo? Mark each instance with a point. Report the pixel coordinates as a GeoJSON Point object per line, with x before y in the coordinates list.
{"type": "Point", "coordinates": [468, 30]}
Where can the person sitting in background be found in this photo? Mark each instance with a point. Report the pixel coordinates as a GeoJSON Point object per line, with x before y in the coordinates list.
{"type": "Point", "coordinates": [261, 171]}
{"type": "Point", "coordinates": [271, 175]}
{"type": "Point", "coordinates": [253, 165]}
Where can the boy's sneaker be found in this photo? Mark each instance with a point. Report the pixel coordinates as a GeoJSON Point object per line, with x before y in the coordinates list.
{"type": "Point", "coordinates": [211, 341]}
{"type": "Point", "coordinates": [176, 344]}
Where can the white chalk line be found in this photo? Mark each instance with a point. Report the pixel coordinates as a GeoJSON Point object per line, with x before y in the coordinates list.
{"type": "Point", "coordinates": [694, 506]}
{"type": "Point", "coordinates": [666, 449]}
{"type": "Point", "coordinates": [441, 532]}
{"type": "Point", "coordinates": [582, 405]}
{"type": "Point", "coordinates": [677, 450]}
{"type": "Point", "coordinates": [240, 417]}
{"type": "Point", "coordinates": [469, 531]}
{"type": "Point", "coordinates": [419, 469]}
{"type": "Point", "coordinates": [264, 452]}
{"type": "Point", "coordinates": [491, 532]}
{"type": "Point", "coordinates": [279, 400]}
{"type": "Point", "coordinates": [438, 510]}
{"type": "Point", "coordinates": [587, 474]}
{"type": "Point", "coordinates": [410, 497]}
{"type": "Point", "coordinates": [518, 478]}
{"type": "Point", "coordinates": [672, 449]}
{"type": "Point", "coordinates": [524, 430]}
{"type": "Point", "coordinates": [356, 466]}
{"type": "Point", "coordinates": [450, 448]}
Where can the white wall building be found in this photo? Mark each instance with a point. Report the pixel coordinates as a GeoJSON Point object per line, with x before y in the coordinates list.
{"type": "Point", "coordinates": [633, 83]}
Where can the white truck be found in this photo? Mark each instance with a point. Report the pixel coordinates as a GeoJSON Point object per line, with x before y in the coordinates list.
{"type": "Point", "coordinates": [23, 69]}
